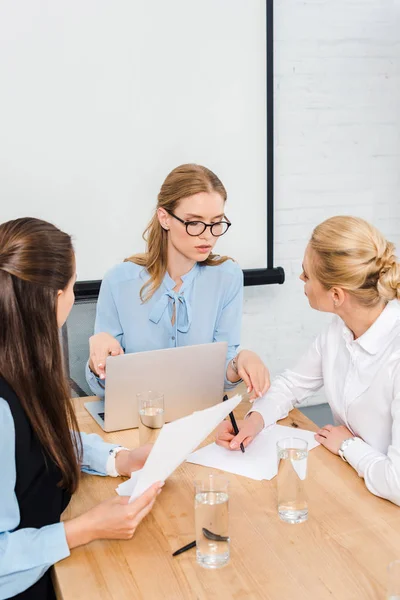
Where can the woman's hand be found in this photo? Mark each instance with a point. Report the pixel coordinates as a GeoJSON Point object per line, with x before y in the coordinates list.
{"type": "Point", "coordinates": [128, 461]}
{"type": "Point", "coordinates": [248, 429]}
{"type": "Point", "coordinates": [254, 373]}
{"type": "Point", "coordinates": [332, 437]}
{"type": "Point", "coordinates": [102, 345]}
{"type": "Point", "coordinates": [112, 519]}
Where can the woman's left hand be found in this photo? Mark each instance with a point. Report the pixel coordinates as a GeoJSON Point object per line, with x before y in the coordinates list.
{"type": "Point", "coordinates": [332, 437]}
{"type": "Point", "coordinates": [254, 373]}
{"type": "Point", "coordinates": [128, 461]}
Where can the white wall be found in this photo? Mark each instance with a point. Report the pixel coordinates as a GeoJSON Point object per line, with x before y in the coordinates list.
{"type": "Point", "coordinates": [337, 123]}
{"type": "Point", "coordinates": [100, 100]}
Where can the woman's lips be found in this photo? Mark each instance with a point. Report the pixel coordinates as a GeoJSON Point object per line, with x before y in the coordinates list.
{"type": "Point", "coordinates": [203, 249]}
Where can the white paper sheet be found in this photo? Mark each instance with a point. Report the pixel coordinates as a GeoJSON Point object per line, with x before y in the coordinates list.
{"type": "Point", "coordinates": [175, 442]}
{"type": "Point", "coordinates": [260, 459]}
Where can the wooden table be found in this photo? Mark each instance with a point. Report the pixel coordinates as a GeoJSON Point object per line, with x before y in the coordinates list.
{"type": "Point", "coordinates": [341, 552]}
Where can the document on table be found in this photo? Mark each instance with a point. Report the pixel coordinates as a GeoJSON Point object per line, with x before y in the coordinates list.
{"type": "Point", "coordinates": [174, 444]}
{"type": "Point", "coordinates": [260, 459]}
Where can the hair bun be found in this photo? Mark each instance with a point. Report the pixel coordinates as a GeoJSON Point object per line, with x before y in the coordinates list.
{"type": "Point", "coordinates": [389, 274]}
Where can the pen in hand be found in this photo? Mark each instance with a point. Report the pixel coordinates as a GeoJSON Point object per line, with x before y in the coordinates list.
{"type": "Point", "coordinates": [234, 424]}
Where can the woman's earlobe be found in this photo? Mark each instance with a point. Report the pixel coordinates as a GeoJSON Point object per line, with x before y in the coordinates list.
{"type": "Point", "coordinates": [161, 217]}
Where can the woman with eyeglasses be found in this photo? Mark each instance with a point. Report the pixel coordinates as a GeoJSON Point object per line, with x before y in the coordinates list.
{"type": "Point", "coordinates": [178, 293]}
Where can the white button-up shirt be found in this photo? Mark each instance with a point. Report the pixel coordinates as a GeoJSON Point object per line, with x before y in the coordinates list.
{"type": "Point", "coordinates": [362, 385]}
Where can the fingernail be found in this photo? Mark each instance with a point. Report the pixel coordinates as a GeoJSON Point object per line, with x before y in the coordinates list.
{"type": "Point", "coordinates": [102, 376]}
{"type": "Point", "coordinates": [259, 394]}
{"type": "Point", "coordinates": [248, 390]}
{"type": "Point", "coordinates": [159, 492]}
{"type": "Point", "coordinates": [100, 365]}
{"type": "Point", "coordinates": [233, 445]}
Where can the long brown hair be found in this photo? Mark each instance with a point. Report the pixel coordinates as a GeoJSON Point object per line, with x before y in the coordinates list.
{"type": "Point", "coordinates": [352, 254]}
{"type": "Point", "coordinates": [182, 182]}
{"type": "Point", "coordinates": [36, 261]}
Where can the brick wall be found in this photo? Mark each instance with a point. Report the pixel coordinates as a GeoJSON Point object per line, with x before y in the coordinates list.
{"type": "Point", "coordinates": [337, 145]}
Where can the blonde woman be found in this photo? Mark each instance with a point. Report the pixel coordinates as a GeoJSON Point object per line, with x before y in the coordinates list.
{"type": "Point", "coordinates": [178, 293]}
{"type": "Point", "coordinates": [351, 271]}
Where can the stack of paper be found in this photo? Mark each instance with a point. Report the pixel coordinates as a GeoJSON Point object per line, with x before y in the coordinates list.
{"type": "Point", "coordinates": [260, 459]}
{"type": "Point", "coordinates": [174, 444]}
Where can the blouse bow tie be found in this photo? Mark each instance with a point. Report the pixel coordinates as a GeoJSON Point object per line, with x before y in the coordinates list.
{"type": "Point", "coordinates": [183, 311]}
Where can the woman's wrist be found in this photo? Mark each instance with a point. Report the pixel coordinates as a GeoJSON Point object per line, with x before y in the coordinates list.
{"type": "Point", "coordinates": [257, 419]}
{"type": "Point", "coordinates": [78, 531]}
{"type": "Point", "coordinates": [232, 372]}
{"type": "Point", "coordinates": [91, 367]}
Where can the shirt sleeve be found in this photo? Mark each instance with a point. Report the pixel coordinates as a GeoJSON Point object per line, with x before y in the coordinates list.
{"type": "Point", "coordinates": [26, 554]}
{"type": "Point", "coordinates": [293, 386]}
{"type": "Point", "coordinates": [228, 327]}
{"type": "Point", "coordinates": [95, 454]}
{"type": "Point", "coordinates": [381, 472]}
{"type": "Point", "coordinates": [107, 320]}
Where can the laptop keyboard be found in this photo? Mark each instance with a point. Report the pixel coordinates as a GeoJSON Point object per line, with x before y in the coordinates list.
{"type": "Point", "coordinates": [101, 415]}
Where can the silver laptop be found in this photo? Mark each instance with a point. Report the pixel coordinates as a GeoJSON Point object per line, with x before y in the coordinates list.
{"type": "Point", "coordinates": [190, 377]}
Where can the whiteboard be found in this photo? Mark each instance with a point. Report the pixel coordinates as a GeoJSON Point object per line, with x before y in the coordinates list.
{"type": "Point", "coordinates": [101, 99]}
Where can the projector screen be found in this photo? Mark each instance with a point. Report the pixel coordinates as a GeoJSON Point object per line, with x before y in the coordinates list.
{"type": "Point", "coordinates": [101, 99]}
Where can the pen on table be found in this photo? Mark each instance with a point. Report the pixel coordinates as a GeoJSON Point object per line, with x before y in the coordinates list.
{"type": "Point", "coordinates": [234, 424]}
{"type": "Point", "coordinates": [207, 534]}
{"type": "Point", "coordinates": [187, 547]}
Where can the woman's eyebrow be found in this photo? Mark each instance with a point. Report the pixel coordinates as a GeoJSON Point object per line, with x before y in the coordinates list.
{"type": "Point", "coordinates": [200, 217]}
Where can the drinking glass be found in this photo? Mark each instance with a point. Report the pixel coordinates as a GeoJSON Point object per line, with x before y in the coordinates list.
{"type": "Point", "coordinates": [212, 521]}
{"type": "Point", "coordinates": [151, 415]}
{"type": "Point", "coordinates": [292, 472]}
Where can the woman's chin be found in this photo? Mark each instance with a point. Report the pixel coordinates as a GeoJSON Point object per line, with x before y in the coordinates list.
{"type": "Point", "coordinates": [201, 257]}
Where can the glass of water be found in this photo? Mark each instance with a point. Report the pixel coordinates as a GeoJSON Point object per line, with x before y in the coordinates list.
{"type": "Point", "coordinates": [292, 472]}
{"type": "Point", "coordinates": [151, 416]}
{"type": "Point", "coordinates": [393, 592]}
{"type": "Point", "coordinates": [212, 521]}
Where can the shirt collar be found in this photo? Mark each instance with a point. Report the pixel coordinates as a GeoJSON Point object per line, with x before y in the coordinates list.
{"type": "Point", "coordinates": [375, 338]}
{"type": "Point", "coordinates": [187, 279]}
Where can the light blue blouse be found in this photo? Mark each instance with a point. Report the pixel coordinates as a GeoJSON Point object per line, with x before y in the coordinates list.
{"type": "Point", "coordinates": [208, 309]}
{"type": "Point", "coordinates": [26, 554]}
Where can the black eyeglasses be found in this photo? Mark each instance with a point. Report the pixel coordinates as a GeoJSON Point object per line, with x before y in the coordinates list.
{"type": "Point", "coordinates": [195, 228]}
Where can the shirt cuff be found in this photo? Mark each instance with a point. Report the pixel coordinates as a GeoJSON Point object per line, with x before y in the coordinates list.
{"type": "Point", "coordinates": [53, 543]}
{"type": "Point", "coordinates": [355, 452]}
{"type": "Point", "coordinates": [269, 412]}
{"type": "Point", "coordinates": [95, 454]}
{"type": "Point", "coordinates": [230, 385]}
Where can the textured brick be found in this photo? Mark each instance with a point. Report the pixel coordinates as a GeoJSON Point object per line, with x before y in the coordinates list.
{"type": "Point", "coordinates": [337, 135]}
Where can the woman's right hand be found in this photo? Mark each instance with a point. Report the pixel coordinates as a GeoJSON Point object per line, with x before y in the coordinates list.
{"type": "Point", "coordinates": [102, 345]}
{"type": "Point", "coordinates": [248, 429]}
{"type": "Point", "coordinates": [113, 519]}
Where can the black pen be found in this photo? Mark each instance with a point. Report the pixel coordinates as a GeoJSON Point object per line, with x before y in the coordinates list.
{"type": "Point", "coordinates": [234, 424]}
{"type": "Point", "coordinates": [187, 547]}
{"type": "Point", "coordinates": [207, 534]}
